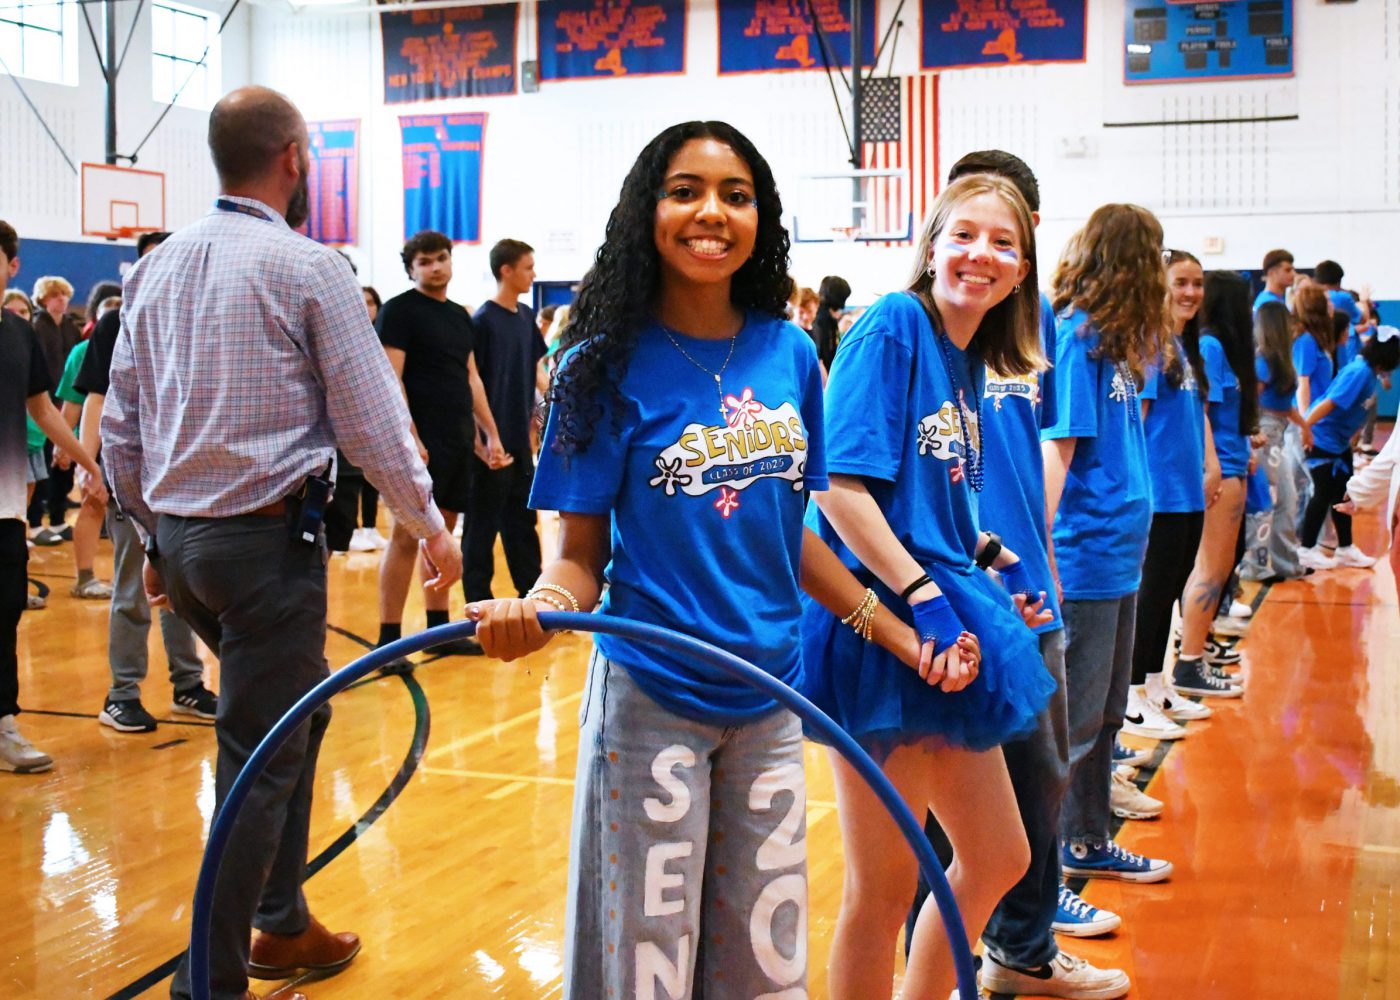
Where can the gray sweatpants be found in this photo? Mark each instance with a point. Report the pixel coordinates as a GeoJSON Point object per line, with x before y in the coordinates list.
{"type": "Point", "coordinates": [129, 627]}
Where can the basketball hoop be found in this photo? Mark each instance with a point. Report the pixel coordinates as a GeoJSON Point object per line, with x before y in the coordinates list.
{"type": "Point", "coordinates": [121, 202]}
{"type": "Point", "coordinates": [844, 234]}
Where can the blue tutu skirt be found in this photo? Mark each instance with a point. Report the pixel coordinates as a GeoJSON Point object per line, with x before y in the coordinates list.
{"type": "Point", "coordinates": [882, 703]}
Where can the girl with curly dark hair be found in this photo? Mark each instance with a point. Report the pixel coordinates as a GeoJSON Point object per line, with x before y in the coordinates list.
{"type": "Point", "coordinates": [1111, 298]}
{"type": "Point", "coordinates": [905, 450]}
{"type": "Point", "coordinates": [686, 424]}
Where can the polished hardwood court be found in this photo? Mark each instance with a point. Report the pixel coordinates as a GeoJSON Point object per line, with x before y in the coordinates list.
{"type": "Point", "coordinates": [443, 800]}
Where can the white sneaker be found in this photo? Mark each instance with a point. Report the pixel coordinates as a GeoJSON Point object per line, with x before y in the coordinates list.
{"type": "Point", "coordinates": [1227, 625]}
{"type": "Point", "coordinates": [1064, 976]}
{"type": "Point", "coordinates": [1167, 700]}
{"type": "Point", "coordinates": [377, 541]}
{"type": "Point", "coordinates": [1239, 609]}
{"type": "Point", "coordinates": [1315, 558]}
{"type": "Point", "coordinates": [1144, 719]}
{"type": "Point", "coordinates": [1131, 802]}
{"type": "Point", "coordinates": [360, 543]}
{"type": "Point", "coordinates": [1350, 555]}
{"type": "Point", "coordinates": [17, 754]}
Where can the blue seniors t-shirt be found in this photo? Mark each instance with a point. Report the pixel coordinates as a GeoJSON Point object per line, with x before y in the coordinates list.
{"type": "Point", "coordinates": [1106, 508]}
{"type": "Point", "coordinates": [1269, 397]}
{"type": "Point", "coordinates": [1267, 296]}
{"type": "Point", "coordinates": [706, 509]}
{"type": "Point", "coordinates": [1350, 390]}
{"type": "Point", "coordinates": [1176, 439]}
{"type": "Point", "coordinates": [1344, 303]}
{"type": "Point", "coordinates": [1313, 363]}
{"type": "Point", "coordinates": [1014, 408]}
{"type": "Point", "coordinates": [1231, 447]}
{"type": "Point", "coordinates": [1349, 347]}
{"type": "Point", "coordinates": [892, 419]}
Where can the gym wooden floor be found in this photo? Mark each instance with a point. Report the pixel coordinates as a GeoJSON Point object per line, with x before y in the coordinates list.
{"type": "Point", "coordinates": [1282, 816]}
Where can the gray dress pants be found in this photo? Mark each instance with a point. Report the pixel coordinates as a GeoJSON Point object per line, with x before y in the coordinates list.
{"type": "Point", "coordinates": [258, 599]}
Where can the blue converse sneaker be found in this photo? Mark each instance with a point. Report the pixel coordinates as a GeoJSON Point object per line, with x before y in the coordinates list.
{"type": "Point", "coordinates": [1111, 861]}
{"type": "Point", "coordinates": [1077, 917]}
{"type": "Point", "coordinates": [1131, 756]}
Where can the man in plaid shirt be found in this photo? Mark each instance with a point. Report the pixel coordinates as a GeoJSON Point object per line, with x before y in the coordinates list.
{"type": "Point", "coordinates": [245, 358]}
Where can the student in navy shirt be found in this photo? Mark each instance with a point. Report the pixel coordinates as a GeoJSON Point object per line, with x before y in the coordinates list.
{"type": "Point", "coordinates": [1271, 536]}
{"type": "Point", "coordinates": [1279, 276]}
{"type": "Point", "coordinates": [1227, 349]}
{"type": "Point", "coordinates": [684, 431]}
{"type": "Point", "coordinates": [1110, 296]}
{"type": "Point", "coordinates": [905, 451]}
{"type": "Point", "coordinates": [1021, 950]}
{"type": "Point", "coordinates": [1185, 477]}
{"type": "Point", "coordinates": [1335, 419]}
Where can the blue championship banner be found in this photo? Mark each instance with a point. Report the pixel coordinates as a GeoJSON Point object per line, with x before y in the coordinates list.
{"type": "Point", "coordinates": [449, 52]}
{"type": "Point", "coordinates": [333, 183]}
{"type": "Point", "coordinates": [602, 39]}
{"type": "Point", "coordinates": [764, 36]}
{"type": "Point", "coordinates": [960, 34]}
{"type": "Point", "coordinates": [1232, 40]}
{"type": "Point", "coordinates": [442, 174]}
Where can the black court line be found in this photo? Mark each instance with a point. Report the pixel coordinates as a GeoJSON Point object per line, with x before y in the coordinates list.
{"type": "Point", "coordinates": [422, 719]}
{"type": "Point", "coordinates": [169, 743]}
{"type": "Point", "coordinates": [93, 715]}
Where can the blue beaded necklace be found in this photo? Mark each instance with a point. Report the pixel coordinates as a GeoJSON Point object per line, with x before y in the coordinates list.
{"type": "Point", "coordinates": [974, 455]}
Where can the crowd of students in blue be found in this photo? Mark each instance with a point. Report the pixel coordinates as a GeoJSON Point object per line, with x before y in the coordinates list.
{"type": "Point", "coordinates": [944, 550]}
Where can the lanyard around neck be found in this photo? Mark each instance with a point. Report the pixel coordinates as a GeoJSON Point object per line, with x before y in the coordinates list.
{"type": "Point", "coordinates": [225, 205]}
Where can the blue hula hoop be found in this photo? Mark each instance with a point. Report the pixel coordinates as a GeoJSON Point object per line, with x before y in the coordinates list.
{"type": "Point", "coordinates": [832, 734]}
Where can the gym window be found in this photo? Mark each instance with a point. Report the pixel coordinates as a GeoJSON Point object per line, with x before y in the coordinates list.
{"type": "Point", "coordinates": [180, 37]}
{"type": "Point", "coordinates": [40, 40]}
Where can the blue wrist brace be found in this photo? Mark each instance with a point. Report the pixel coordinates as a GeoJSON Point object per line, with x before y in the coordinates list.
{"type": "Point", "coordinates": [1017, 580]}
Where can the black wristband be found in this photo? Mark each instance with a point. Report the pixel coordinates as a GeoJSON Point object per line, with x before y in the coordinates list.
{"type": "Point", "coordinates": [905, 594]}
{"type": "Point", "coordinates": [990, 551]}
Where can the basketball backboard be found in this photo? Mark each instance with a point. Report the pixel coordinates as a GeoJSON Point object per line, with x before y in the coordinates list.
{"type": "Point", "coordinates": [852, 205]}
{"type": "Point", "coordinates": [121, 202]}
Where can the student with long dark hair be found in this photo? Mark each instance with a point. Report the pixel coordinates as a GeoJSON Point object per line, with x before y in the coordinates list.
{"type": "Point", "coordinates": [1185, 478]}
{"type": "Point", "coordinates": [1227, 348]}
{"type": "Point", "coordinates": [1110, 296]}
{"type": "Point", "coordinates": [906, 455]}
{"type": "Point", "coordinates": [1271, 537]}
{"type": "Point", "coordinates": [685, 424]}
{"type": "Point", "coordinates": [832, 296]}
{"type": "Point", "coordinates": [1335, 419]}
{"type": "Point", "coordinates": [1315, 362]}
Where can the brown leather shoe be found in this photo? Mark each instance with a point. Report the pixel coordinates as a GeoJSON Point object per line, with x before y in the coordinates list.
{"type": "Point", "coordinates": [280, 956]}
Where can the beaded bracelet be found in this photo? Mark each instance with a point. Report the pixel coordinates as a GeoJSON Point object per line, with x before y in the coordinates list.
{"type": "Point", "coordinates": [573, 601]}
{"type": "Point", "coordinates": [554, 602]}
{"type": "Point", "coordinates": [862, 619]}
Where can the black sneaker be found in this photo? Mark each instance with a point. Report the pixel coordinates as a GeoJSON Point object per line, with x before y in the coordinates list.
{"type": "Point", "coordinates": [127, 716]}
{"type": "Point", "coordinates": [397, 667]}
{"type": "Point", "coordinates": [199, 701]}
{"type": "Point", "coordinates": [65, 533]}
{"type": "Point", "coordinates": [465, 646]}
{"type": "Point", "coordinates": [46, 537]}
{"type": "Point", "coordinates": [1193, 677]}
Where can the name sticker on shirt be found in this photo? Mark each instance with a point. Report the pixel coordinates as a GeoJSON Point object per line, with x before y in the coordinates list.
{"type": "Point", "coordinates": [756, 442]}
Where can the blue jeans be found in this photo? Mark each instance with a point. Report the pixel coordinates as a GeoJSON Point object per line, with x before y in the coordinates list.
{"type": "Point", "coordinates": [683, 829]}
{"type": "Point", "coordinates": [1098, 668]}
{"type": "Point", "coordinates": [1018, 933]}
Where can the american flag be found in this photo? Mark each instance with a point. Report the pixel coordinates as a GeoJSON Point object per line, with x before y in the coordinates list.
{"type": "Point", "coordinates": [915, 152]}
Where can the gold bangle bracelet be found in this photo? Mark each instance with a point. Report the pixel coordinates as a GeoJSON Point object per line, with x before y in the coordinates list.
{"type": "Point", "coordinates": [561, 591]}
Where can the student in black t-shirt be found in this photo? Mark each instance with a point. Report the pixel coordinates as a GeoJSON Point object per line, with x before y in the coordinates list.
{"type": "Point", "coordinates": [430, 342]}
{"type": "Point", "coordinates": [510, 353]}
{"type": "Point", "coordinates": [25, 384]}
